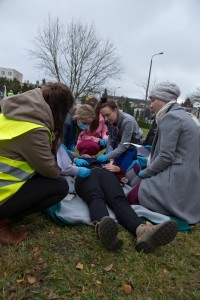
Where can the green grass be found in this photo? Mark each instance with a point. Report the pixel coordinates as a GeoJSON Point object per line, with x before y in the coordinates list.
{"type": "Point", "coordinates": [145, 131]}
{"type": "Point", "coordinates": [50, 255]}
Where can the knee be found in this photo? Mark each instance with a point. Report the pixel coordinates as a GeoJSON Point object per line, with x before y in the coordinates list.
{"type": "Point", "coordinates": [63, 187]}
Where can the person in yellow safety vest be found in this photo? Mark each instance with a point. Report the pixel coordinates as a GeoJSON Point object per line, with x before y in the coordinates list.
{"type": "Point", "coordinates": [31, 127]}
{"type": "Point", "coordinates": [10, 93]}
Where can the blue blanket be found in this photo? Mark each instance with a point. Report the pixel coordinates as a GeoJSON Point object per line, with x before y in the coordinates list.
{"type": "Point", "coordinates": [72, 210]}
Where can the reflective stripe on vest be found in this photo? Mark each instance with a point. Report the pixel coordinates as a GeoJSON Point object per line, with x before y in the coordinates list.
{"type": "Point", "coordinates": [14, 173]}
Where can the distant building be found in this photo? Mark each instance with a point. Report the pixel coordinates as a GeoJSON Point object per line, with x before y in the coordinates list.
{"type": "Point", "coordinates": [11, 74]}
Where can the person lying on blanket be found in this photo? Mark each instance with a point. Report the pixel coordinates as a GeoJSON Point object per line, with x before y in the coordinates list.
{"type": "Point", "coordinates": [102, 188]}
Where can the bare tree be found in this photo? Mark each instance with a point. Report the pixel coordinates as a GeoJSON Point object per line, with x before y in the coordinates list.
{"type": "Point", "coordinates": [143, 86]}
{"type": "Point", "coordinates": [48, 48]}
{"type": "Point", "coordinates": [195, 97]}
{"type": "Point", "coordinates": [76, 55]}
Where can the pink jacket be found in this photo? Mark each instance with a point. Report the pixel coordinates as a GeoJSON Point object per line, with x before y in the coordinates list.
{"type": "Point", "coordinates": [100, 133]}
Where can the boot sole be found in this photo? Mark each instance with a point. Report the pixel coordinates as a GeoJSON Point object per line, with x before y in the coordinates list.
{"type": "Point", "coordinates": [160, 237]}
{"type": "Point", "coordinates": [108, 231]}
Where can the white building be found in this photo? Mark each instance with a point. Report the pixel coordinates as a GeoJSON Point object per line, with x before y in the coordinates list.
{"type": "Point", "coordinates": [11, 74]}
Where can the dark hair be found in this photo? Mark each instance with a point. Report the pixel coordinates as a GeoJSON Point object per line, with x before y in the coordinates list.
{"type": "Point", "coordinates": [60, 99]}
{"type": "Point", "coordinates": [108, 103]}
{"type": "Point", "coordinates": [91, 101]}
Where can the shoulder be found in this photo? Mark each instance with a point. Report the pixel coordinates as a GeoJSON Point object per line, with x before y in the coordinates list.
{"type": "Point", "coordinates": [36, 136]}
{"type": "Point", "coordinates": [127, 120]}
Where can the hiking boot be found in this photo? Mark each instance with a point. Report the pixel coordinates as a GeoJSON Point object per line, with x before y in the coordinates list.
{"type": "Point", "coordinates": [151, 236]}
{"type": "Point", "coordinates": [107, 231]}
{"type": "Point", "coordinates": [9, 238]}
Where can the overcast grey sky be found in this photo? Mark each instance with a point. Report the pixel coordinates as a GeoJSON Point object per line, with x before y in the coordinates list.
{"type": "Point", "coordinates": [137, 28]}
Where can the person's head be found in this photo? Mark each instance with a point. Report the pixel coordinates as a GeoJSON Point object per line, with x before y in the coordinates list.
{"type": "Point", "coordinates": [91, 101]}
{"type": "Point", "coordinates": [110, 111]}
{"type": "Point", "coordinates": [84, 116]}
{"type": "Point", "coordinates": [163, 93]}
{"type": "Point", "coordinates": [60, 99]}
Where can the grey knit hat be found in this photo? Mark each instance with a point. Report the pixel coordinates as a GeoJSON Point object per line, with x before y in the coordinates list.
{"type": "Point", "coordinates": [165, 91]}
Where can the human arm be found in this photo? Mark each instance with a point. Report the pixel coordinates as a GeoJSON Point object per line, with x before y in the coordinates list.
{"type": "Point", "coordinates": [127, 131]}
{"type": "Point", "coordinates": [168, 135]}
{"type": "Point", "coordinates": [35, 148]}
{"type": "Point", "coordinates": [112, 168]}
{"type": "Point", "coordinates": [104, 130]}
{"type": "Point", "coordinates": [119, 172]}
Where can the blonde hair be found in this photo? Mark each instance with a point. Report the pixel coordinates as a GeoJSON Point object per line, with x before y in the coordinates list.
{"type": "Point", "coordinates": [84, 111]}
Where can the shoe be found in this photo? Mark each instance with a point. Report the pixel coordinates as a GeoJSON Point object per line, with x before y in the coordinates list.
{"type": "Point", "coordinates": [151, 236]}
{"type": "Point", "coordinates": [7, 237]}
{"type": "Point", "coordinates": [107, 231]}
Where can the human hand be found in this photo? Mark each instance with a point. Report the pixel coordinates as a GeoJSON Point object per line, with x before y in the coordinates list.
{"type": "Point", "coordinates": [86, 156]}
{"type": "Point", "coordinates": [132, 165]}
{"type": "Point", "coordinates": [142, 161]}
{"type": "Point", "coordinates": [103, 142]}
{"type": "Point", "coordinates": [81, 162]}
{"type": "Point", "coordinates": [112, 168]}
{"type": "Point", "coordinates": [140, 174]}
{"type": "Point", "coordinates": [83, 172]}
{"type": "Point", "coordinates": [72, 148]}
{"type": "Point", "coordinates": [102, 158]}
{"type": "Point", "coordinates": [148, 147]}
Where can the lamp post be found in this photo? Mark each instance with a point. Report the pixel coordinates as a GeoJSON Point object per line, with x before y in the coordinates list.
{"type": "Point", "coordinates": [147, 89]}
{"type": "Point", "coordinates": [119, 87]}
{"type": "Point", "coordinates": [5, 91]}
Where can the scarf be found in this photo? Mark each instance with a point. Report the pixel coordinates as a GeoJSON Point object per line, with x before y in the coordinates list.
{"type": "Point", "coordinates": [163, 110]}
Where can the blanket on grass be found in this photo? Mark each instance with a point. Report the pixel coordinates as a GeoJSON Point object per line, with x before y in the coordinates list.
{"type": "Point", "coordinates": [72, 210]}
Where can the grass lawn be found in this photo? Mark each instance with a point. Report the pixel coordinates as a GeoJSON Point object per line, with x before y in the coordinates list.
{"type": "Point", "coordinates": [145, 131]}
{"type": "Point", "coordinates": [45, 266]}
{"type": "Point", "coordinates": [69, 263]}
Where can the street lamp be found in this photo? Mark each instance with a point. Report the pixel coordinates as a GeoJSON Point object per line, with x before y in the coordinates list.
{"type": "Point", "coordinates": [150, 76]}
{"type": "Point", "coordinates": [119, 87]}
{"type": "Point", "coordinates": [5, 91]}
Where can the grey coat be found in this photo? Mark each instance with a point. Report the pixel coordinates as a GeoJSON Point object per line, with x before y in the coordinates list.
{"type": "Point", "coordinates": [126, 130]}
{"type": "Point", "coordinates": [171, 183]}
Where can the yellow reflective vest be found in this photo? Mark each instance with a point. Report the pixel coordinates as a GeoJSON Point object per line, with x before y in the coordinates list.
{"type": "Point", "coordinates": [14, 173]}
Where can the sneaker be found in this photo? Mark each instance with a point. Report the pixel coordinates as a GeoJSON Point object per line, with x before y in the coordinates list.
{"type": "Point", "coordinates": [107, 231]}
{"type": "Point", "coordinates": [151, 236]}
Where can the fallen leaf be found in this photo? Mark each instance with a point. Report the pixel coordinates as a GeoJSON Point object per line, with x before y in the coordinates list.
{"type": "Point", "coordinates": [52, 296]}
{"type": "Point", "coordinates": [98, 282]}
{"type": "Point", "coordinates": [127, 288]}
{"type": "Point", "coordinates": [52, 232]}
{"type": "Point", "coordinates": [19, 280]}
{"type": "Point", "coordinates": [12, 296]}
{"type": "Point", "coordinates": [40, 260]}
{"type": "Point", "coordinates": [108, 268]}
{"type": "Point", "coordinates": [165, 271]}
{"type": "Point", "coordinates": [100, 294]}
{"type": "Point", "coordinates": [31, 279]}
{"type": "Point", "coordinates": [79, 266]}
{"type": "Point", "coordinates": [36, 250]}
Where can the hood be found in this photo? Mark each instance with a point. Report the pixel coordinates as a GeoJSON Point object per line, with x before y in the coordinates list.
{"type": "Point", "coordinates": [29, 106]}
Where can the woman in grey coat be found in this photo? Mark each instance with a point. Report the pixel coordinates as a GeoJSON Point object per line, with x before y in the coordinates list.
{"type": "Point", "coordinates": [171, 182]}
{"type": "Point", "coordinates": [122, 128]}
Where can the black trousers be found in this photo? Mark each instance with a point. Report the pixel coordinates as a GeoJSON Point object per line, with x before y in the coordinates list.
{"type": "Point", "coordinates": [37, 194]}
{"type": "Point", "coordinates": [101, 188]}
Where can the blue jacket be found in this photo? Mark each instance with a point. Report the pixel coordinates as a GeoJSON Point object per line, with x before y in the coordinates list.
{"type": "Point", "coordinates": [71, 132]}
